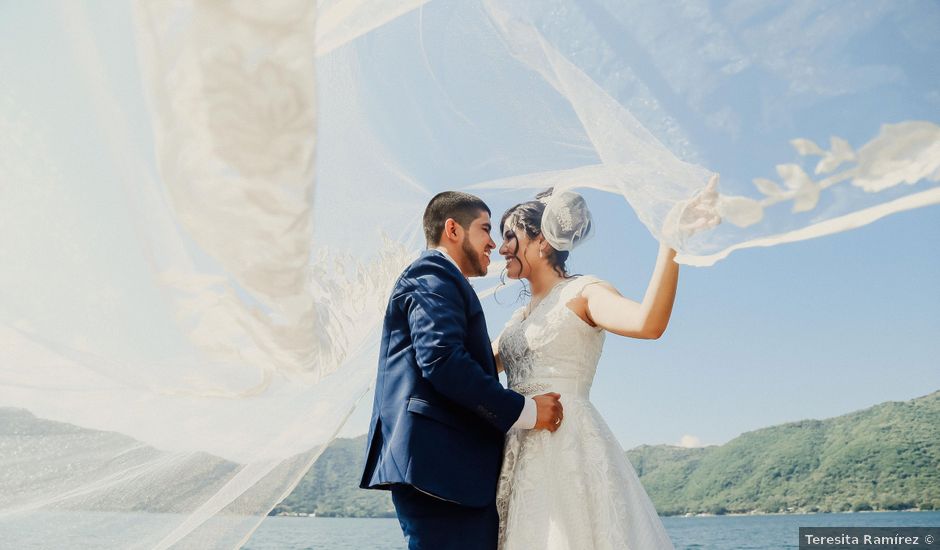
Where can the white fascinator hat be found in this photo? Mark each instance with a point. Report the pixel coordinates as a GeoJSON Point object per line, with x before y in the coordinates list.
{"type": "Point", "coordinates": [566, 221]}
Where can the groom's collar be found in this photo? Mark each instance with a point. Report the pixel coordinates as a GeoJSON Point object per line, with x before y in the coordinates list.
{"type": "Point", "coordinates": [450, 259]}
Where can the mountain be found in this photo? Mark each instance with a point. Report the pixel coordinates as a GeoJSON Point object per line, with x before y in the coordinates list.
{"type": "Point", "coordinates": [331, 487]}
{"type": "Point", "coordinates": [110, 460]}
{"type": "Point", "coordinates": [886, 457]}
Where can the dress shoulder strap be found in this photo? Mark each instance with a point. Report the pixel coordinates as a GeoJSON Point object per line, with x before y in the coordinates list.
{"type": "Point", "coordinates": [574, 288]}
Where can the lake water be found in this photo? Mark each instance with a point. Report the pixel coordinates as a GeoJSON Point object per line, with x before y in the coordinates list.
{"type": "Point", "coordinates": [769, 532]}
{"type": "Point", "coordinates": [114, 530]}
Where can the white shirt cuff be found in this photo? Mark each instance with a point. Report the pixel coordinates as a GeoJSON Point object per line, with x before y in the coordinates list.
{"type": "Point", "coordinates": [527, 417]}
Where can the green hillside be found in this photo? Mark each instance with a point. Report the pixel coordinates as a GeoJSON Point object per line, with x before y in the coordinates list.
{"type": "Point", "coordinates": [331, 487]}
{"type": "Point", "coordinates": [886, 457]}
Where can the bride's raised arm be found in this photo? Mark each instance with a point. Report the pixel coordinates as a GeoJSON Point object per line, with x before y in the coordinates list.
{"type": "Point", "coordinates": [606, 308]}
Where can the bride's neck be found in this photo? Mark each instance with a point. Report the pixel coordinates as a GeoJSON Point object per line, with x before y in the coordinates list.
{"type": "Point", "coordinates": [542, 280]}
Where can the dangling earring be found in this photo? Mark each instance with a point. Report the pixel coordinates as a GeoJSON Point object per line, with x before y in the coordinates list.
{"type": "Point", "coordinates": [540, 253]}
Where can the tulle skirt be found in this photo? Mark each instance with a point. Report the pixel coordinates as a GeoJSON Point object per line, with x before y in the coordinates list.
{"type": "Point", "coordinates": [574, 489]}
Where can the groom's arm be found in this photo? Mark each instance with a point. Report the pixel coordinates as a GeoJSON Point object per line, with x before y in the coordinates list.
{"type": "Point", "coordinates": [438, 323]}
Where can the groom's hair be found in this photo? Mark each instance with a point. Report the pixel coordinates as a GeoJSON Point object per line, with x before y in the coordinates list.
{"type": "Point", "coordinates": [462, 207]}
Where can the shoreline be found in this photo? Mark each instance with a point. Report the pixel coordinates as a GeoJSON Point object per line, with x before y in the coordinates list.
{"type": "Point", "coordinates": [687, 515]}
{"type": "Point", "coordinates": [793, 513]}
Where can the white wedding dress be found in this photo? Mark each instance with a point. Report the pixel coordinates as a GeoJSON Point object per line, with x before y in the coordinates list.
{"type": "Point", "coordinates": [574, 488]}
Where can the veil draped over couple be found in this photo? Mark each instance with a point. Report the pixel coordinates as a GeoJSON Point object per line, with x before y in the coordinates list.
{"type": "Point", "coordinates": [471, 464]}
{"type": "Point", "coordinates": [205, 203]}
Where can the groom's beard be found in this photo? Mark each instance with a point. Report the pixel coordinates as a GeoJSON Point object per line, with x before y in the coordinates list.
{"type": "Point", "coordinates": [473, 257]}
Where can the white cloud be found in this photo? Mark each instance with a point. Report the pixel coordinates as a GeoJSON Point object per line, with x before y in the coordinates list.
{"type": "Point", "coordinates": [689, 441]}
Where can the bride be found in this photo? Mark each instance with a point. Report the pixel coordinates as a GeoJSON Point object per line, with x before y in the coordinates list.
{"type": "Point", "coordinates": [573, 488]}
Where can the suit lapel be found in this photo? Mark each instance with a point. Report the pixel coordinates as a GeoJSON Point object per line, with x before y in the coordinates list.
{"type": "Point", "coordinates": [474, 303]}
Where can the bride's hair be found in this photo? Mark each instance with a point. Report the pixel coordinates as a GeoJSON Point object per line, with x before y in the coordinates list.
{"type": "Point", "coordinates": [528, 217]}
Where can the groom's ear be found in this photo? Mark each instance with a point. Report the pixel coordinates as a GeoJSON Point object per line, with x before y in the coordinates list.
{"type": "Point", "coordinates": [453, 231]}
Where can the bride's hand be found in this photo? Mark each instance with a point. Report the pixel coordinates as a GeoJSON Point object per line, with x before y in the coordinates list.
{"type": "Point", "coordinates": [701, 212]}
{"type": "Point", "coordinates": [696, 214]}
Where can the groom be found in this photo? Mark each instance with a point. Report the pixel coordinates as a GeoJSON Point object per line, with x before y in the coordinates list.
{"type": "Point", "coordinates": [440, 414]}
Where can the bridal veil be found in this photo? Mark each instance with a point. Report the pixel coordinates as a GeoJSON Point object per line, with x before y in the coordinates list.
{"type": "Point", "coordinates": [203, 204]}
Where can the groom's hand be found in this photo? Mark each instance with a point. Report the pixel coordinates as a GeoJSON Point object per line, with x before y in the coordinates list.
{"type": "Point", "coordinates": [549, 411]}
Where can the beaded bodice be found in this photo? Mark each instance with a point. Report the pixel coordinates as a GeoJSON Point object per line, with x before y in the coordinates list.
{"type": "Point", "coordinates": [545, 346]}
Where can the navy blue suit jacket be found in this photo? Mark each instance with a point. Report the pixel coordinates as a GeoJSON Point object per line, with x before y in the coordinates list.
{"type": "Point", "coordinates": [440, 413]}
